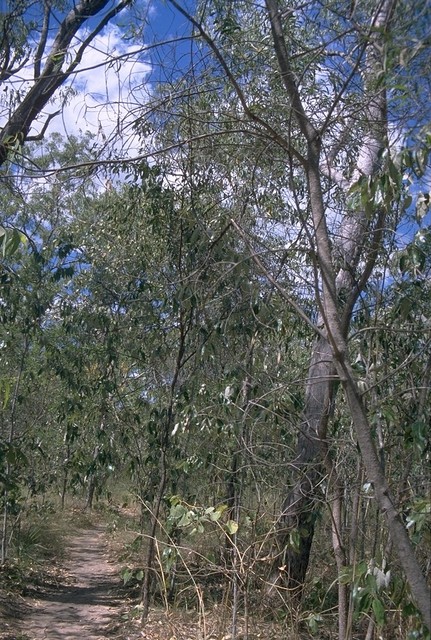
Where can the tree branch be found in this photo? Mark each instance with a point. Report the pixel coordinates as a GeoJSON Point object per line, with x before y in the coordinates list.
{"type": "Point", "coordinates": [43, 39]}
{"type": "Point", "coordinates": [285, 144]}
{"type": "Point", "coordinates": [41, 134]}
{"type": "Point", "coordinates": [307, 128]}
{"type": "Point", "coordinates": [256, 259]}
{"type": "Point", "coordinates": [51, 78]}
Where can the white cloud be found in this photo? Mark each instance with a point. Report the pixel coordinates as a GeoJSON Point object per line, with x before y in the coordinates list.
{"type": "Point", "coordinates": [106, 93]}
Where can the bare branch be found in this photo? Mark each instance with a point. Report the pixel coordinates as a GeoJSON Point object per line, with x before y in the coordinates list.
{"type": "Point", "coordinates": [41, 134]}
{"type": "Point", "coordinates": [43, 39]}
{"type": "Point", "coordinates": [102, 24]}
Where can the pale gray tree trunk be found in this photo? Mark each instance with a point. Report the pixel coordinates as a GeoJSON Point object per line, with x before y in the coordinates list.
{"type": "Point", "coordinates": [300, 506]}
{"type": "Point", "coordinates": [339, 292]}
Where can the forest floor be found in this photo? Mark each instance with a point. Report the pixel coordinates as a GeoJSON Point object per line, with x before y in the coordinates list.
{"type": "Point", "coordinates": [81, 597]}
{"type": "Point", "coordinates": [72, 601]}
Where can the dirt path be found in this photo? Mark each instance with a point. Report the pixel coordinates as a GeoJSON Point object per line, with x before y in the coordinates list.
{"type": "Point", "coordinates": [84, 602]}
{"type": "Point", "coordinates": [85, 606]}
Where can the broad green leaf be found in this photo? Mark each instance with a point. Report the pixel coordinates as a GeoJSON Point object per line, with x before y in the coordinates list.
{"type": "Point", "coordinates": [379, 611]}
{"type": "Point", "coordinates": [312, 621]}
{"type": "Point", "coordinates": [185, 520]}
{"type": "Point", "coordinates": [346, 575]}
{"type": "Point", "coordinates": [126, 574]}
{"type": "Point", "coordinates": [6, 395]}
{"type": "Point", "coordinates": [232, 527]}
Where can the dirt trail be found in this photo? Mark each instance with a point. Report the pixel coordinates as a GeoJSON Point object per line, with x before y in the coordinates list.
{"type": "Point", "coordinates": [83, 609]}
{"type": "Point", "coordinates": [86, 604]}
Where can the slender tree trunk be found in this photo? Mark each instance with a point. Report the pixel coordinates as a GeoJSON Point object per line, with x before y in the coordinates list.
{"type": "Point", "coordinates": [185, 324]}
{"type": "Point", "coordinates": [353, 541]}
{"type": "Point", "coordinates": [90, 491]}
{"type": "Point", "coordinates": [92, 479]}
{"type": "Point", "coordinates": [335, 504]}
{"type": "Point", "coordinates": [149, 561]}
{"type": "Point", "coordinates": [235, 476]}
{"type": "Point", "coordinates": [65, 477]}
{"type": "Point", "coordinates": [337, 292]}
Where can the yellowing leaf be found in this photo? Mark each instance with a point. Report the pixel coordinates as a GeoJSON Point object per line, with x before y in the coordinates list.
{"type": "Point", "coordinates": [232, 526]}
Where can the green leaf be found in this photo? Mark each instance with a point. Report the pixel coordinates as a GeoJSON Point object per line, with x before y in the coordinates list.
{"type": "Point", "coordinates": [394, 173]}
{"type": "Point", "coordinates": [379, 611]}
{"type": "Point", "coordinates": [232, 527]}
{"type": "Point", "coordinates": [407, 202]}
{"type": "Point", "coordinates": [409, 609]}
{"type": "Point", "coordinates": [418, 257]}
{"type": "Point", "coordinates": [13, 243]}
{"type": "Point", "coordinates": [346, 575]}
{"type": "Point", "coordinates": [15, 455]}
{"type": "Point", "coordinates": [198, 529]}
{"type": "Point", "coordinates": [404, 262]}
{"type": "Point", "coordinates": [216, 515]}
{"type": "Point", "coordinates": [361, 568]}
{"type": "Point", "coordinates": [294, 539]}
{"type": "Point", "coordinates": [185, 519]}
{"type": "Point", "coordinates": [422, 206]}
{"type": "Point", "coordinates": [6, 388]}
{"type": "Point", "coordinates": [312, 621]}
{"type": "Point", "coordinates": [126, 575]}
{"type": "Point", "coordinates": [405, 305]}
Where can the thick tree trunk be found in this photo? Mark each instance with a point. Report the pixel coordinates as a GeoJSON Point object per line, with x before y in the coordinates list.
{"type": "Point", "coordinates": [296, 525]}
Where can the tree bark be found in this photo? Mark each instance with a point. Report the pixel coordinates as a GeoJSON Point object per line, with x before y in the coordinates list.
{"type": "Point", "coordinates": [339, 291]}
{"type": "Point", "coordinates": [300, 507]}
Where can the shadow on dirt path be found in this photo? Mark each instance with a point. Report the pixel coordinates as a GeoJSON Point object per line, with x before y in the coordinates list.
{"type": "Point", "coordinates": [85, 608]}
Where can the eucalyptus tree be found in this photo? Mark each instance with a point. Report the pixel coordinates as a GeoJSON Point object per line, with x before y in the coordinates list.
{"type": "Point", "coordinates": [35, 278]}
{"type": "Point", "coordinates": [42, 45]}
{"type": "Point", "coordinates": [310, 97]}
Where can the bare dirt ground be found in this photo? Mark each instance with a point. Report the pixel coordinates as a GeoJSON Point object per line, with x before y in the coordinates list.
{"type": "Point", "coordinates": [82, 605]}
{"type": "Point", "coordinates": [83, 599]}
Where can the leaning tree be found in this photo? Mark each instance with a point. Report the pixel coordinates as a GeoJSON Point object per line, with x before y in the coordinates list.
{"type": "Point", "coordinates": [42, 45]}
{"type": "Point", "coordinates": [326, 92]}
